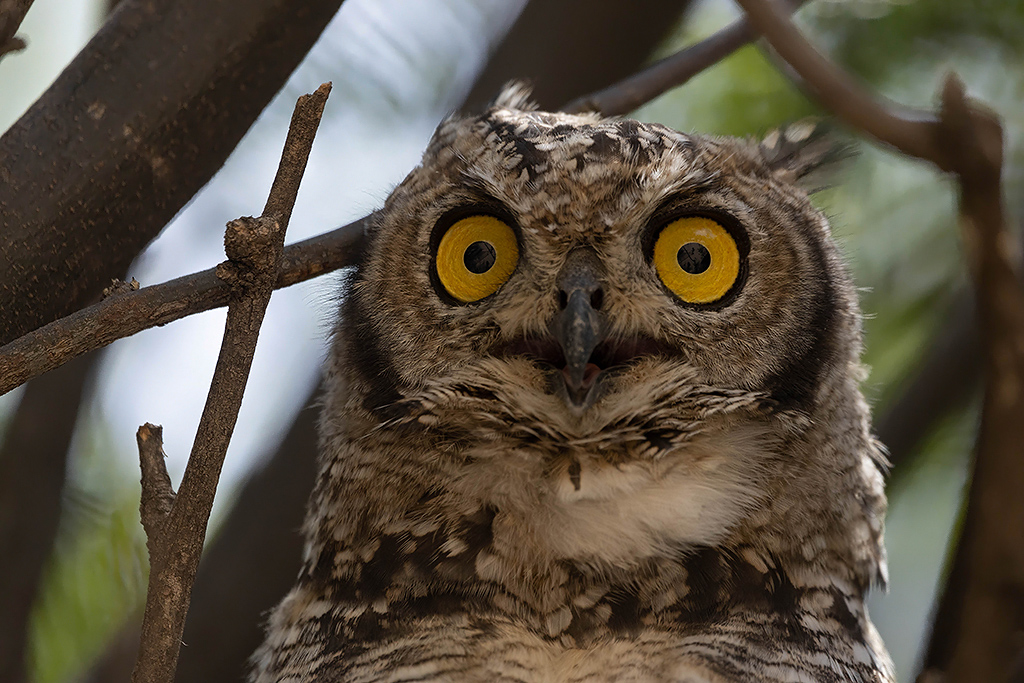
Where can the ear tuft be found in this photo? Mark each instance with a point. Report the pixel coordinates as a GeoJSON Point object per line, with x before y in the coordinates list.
{"type": "Point", "coordinates": [807, 153]}
{"type": "Point", "coordinates": [515, 94]}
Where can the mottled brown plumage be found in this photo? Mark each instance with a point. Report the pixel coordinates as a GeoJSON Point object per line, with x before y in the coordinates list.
{"type": "Point", "coordinates": [705, 509]}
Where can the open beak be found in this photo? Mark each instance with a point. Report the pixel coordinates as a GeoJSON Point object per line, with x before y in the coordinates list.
{"type": "Point", "coordinates": [579, 326]}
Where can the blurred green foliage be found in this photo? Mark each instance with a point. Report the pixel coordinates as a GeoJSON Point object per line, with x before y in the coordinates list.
{"type": "Point", "coordinates": [99, 568]}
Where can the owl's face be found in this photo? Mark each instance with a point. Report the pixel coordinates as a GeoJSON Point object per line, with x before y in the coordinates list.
{"type": "Point", "coordinates": [635, 331]}
{"type": "Point", "coordinates": [590, 256]}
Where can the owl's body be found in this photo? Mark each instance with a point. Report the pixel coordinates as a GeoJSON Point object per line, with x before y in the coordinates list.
{"type": "Point", "coordinates": [560, 456]}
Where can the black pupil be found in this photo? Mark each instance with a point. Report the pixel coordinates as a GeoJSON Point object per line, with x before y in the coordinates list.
{"type": "Point", "coordinates": [694, 258]}
{"type": "Point", "coordinates": [479, 257]}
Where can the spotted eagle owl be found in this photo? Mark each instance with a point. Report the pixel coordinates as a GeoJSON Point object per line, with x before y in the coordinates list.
{"type": "Point", "coordinates": [592, 414]}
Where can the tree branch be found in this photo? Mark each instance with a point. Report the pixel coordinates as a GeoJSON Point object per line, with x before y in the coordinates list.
{"type": "Point", "coordinates": [672, 71]}
{"type": "Point", "coordinates": [140, 120]}
{"type": "Point", "coordinates": [126, 313]}
{"type": "Point", "coordinates": [571, 47]}
{"type": "Point", "coordinates": [913, 132]}
{"type": "Point", "coordinates": [157, 494]}
{"type": "Point", "coordinates": [254, 247]}
{"type": "Point", "coordinates": [12, 13]}
{"type": "Point", "coordinates": [976, 631]}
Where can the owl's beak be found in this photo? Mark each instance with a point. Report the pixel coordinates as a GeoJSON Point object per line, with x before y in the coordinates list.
{"type": "Point", "coordinates": [579, 326]}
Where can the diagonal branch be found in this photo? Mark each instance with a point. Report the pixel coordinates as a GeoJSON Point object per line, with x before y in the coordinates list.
{"type": "Point", "coordinates": [90, 175]}
{"type": "Point", "coordinates": [913, 132]}
{"type": "Point", "coordinates": [176, 530]}
{"type": "Point", "coordinates": [975, 636]}
{"type": "Point", "coordinates": [672, 71]}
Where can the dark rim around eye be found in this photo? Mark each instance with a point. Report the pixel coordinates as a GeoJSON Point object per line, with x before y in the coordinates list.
{"type": "Point", "coordinates": [730, 223]}
{"type": "Point", "coordinates": [485, 207]}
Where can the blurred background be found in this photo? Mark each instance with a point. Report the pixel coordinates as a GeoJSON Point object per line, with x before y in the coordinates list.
{"type": "Point", "coordinates": [398, 67]}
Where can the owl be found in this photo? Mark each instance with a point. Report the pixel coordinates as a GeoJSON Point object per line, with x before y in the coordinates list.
{"type": "Point", "coordinates": [592, 415]}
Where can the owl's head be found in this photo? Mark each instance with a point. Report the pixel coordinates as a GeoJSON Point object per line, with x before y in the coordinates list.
{"type": "Point", "coordinates": [643, 339]}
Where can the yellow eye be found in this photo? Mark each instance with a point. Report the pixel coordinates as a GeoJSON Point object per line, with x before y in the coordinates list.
{"type": "Point", "coordinates": [476, 256]}
{"type": "Point", "coordinates": [697, 259]}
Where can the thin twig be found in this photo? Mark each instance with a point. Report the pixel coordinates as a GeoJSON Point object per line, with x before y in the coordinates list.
{"type": "Point", "coordinates": [254, 247]}
{"type": "Point", "coordinates": [672, 71]}
{"type": "Point", "coordinates": [975, 636]}
{"type": "Point", "coordinates": [12, 13]}
{"type": "Point", "coordinates": [128, 313]}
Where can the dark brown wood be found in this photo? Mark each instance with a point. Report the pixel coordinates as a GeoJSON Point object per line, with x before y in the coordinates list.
{"type": "Point", "coordinates": [976, 635]}
{"type": "Point", "coordinates": [133, 128]}
{"type": "Point", "coordinates": [12, 13]}
{"type": "Point", "coordinates": [665, 74]}
{"type": "Point", "coordinates": [565, 48]}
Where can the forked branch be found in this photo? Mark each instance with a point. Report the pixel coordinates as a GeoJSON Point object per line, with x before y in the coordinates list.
{"type": "Point", "coordinates": [176, 525]}
{"type": "Point", "coordinates": [126, 313]}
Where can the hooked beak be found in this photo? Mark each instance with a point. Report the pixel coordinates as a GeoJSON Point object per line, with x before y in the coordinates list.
{"type": "Point", "coordinates": [579, 326]}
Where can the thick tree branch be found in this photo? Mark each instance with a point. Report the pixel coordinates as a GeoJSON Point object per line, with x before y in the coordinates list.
{"type": "Point", "coordinates": [976, 635]}
{"type": "Point", "coordinates": [137, 123]}
{"type": "Point", "coordinates": [254, 247]}
{"type": "Point", "coordinates": [12, 13]}
{"type": "Point", "coordinates": [980, 618]}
